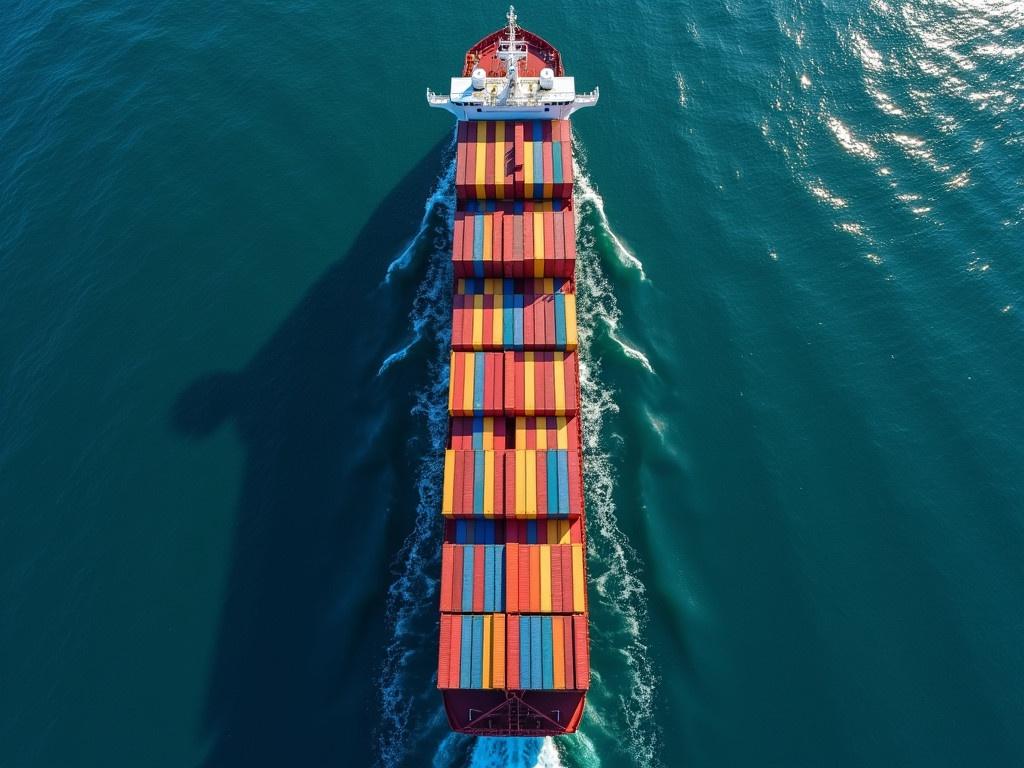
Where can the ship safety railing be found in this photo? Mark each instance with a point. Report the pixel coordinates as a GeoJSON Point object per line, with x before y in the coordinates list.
{"type": "Point", "coordinates": [489, 100]}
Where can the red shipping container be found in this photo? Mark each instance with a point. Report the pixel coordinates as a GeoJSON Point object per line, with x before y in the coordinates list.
{"type": "Point", "coordinates": [542, 531]}
{"type": "Point", "coordinates": [560, 265]}
{"type": "Point", "coordinates": [478, 239]}
{"type": "Point", "coordinates": [549, 236]}
{"type": "Point", "coordinates": [446, 578]}
{"type": "Point", "coordinates": [460, 157]}
{"type": "Point", "coordinates": [455, 382]}
{"type": "Point", "coordinates": [569, 239]}
{"type": "Point", "coordinates": [512, 653]}
{"type": "Point", "coordinates": [549, 399]}
{"type": "Point", "coordinates": [458, 240]}
{"type": "Point", "coordinates": [496, 401]}
{"type": "Point", "coordinates": [567, 170]}
{"type": "Point", "coordinates": [469, 190]}
{"type": "Point", "coordinates": [518, 177]}
{"type": "Point", "coordinates": [575, 482]}
{"type": "Point", "coordinates": [458, 321]}
{"type": "Point", "coordinates": [511, 577]}
{"type": "Point", "coordinates": [525, 579]}
{"type": "Point", "coordinates": [565, 566]}
{"type": "Point", "coordinates": [444, 653]}
{"type": "Point", "coordinates": [541, 470]}
{"type": "Point", "coordinates": [537, 313]}
{"type": "Point", "coordinates": [546, 155]}
{"type": "Point", "coordinates": [567, 650]}
{"type": "Point", "coordinates": [489, 162]}
{"type": "Point", "coordinates": [581, 650]}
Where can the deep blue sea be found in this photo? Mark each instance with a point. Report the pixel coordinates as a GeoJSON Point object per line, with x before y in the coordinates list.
{"type": "Point", "coordinates": [223, 319]}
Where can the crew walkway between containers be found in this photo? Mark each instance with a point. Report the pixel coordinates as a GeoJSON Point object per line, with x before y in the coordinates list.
{"type": "Point", "coordinates": [513, 576]}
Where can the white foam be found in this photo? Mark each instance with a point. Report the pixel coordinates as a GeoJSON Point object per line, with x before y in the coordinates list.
{"type": "Point", "coordinates": [631, 352]}
{"type": "Point", "coordinates": [613, 563]}
{"type": "Point", "coordinates": [410, 604]}
{"type": "Point", "coordinates": [604, 308]}
{"type": "Point", "coordinates": [681, 87]}
{"type": "Point", "coordinates": [442, 197]}
{"type": "Point", "coordinates": [586, 195]}
{"type": "Point", "coordinates": [515, 753]}
{"type": "Point", "coordinates": [437, 220]}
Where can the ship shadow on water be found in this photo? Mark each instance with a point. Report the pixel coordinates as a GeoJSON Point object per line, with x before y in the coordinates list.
{"type": "Point", "coordinates": [328, 495]}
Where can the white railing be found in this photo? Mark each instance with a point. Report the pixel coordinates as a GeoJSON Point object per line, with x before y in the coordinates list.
{"type": "Point", "coordinates": [436, 98]}
{"type": "Point", "coordinates": [485, 99]}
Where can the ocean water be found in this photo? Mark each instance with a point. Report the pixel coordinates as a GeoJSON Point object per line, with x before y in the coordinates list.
{"type": "Point", "coordinates": [223, 237]}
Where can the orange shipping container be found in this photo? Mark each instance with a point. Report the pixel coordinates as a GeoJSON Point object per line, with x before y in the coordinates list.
{"type": "Point", "coordinates": [544, 578]}
{"type": "Point", "coordinates": [541, 383]}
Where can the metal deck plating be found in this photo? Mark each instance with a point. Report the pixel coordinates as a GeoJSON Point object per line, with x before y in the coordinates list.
{"type": "Point", "coordinates": [510, 64]}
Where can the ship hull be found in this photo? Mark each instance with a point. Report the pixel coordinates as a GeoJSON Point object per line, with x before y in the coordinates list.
{"type": "Point", "coordinates": [513, 650]}
{"type": "Point", "coordinates": [550, 112]}
{"type": "Point", "coordinates": [514, 713]}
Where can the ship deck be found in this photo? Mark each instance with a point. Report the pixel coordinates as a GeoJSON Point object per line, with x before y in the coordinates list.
{"type": "Point", "coordinates": [539, 54]}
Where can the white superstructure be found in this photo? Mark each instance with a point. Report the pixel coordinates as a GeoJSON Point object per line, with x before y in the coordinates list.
{"type": "Point", "coordinates": [512, 97]}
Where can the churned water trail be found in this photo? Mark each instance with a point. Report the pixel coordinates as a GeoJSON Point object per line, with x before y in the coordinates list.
{"type": "Point", "coordinates": [436, 222]}
{"type": "Point", "coordinates": [619, 623]}
{"type": "Point", "coordinates": [587, 199]}
{"type": "Point", "coordinates": [515, 753]}
{"type": "Point", "coordinates": [585, 193]}
{"type": "Point", "coordinates": [442, 196]}
{"type": "Point", "coordinates": [613, 562]}
{"type": "Point", "coordinates": [410, 603]}
{"type": "Point", "coordinates": [804, 275]}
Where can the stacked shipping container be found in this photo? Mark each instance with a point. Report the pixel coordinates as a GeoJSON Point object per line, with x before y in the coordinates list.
{"type": "Point", "coordinates": [529, 238]}
{"type": "Point", "coordinates": [513, 383]}
{"type": "Point", "coordinates": [513, 569]}
{"type": "Point", "coordinates": [526, 483]}
{"type": "Point", "coordinates": [514, 160]}
{"type": "Point", "coordinates": [513, 321]}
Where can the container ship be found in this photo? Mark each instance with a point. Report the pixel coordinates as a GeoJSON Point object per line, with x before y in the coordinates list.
{"type": "Point", "coordinates": [513, 653]}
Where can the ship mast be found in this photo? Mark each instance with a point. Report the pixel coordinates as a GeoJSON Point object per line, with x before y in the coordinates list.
{"type": "Point", "coordinates": [511, 51]}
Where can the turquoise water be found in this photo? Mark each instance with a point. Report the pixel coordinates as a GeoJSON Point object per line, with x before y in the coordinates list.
{"type": "Point", "coordinates": [222, 252]}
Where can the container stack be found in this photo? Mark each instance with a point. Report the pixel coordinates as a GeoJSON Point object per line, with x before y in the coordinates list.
{"type": "Point", "coordinates": [513, 569]}
{"type": "Point", "coordinates": [522, 238]}
{"type": "Point", "coordinates": [513, 314]}
{"type": "Point", "coordinates": [517, 160]}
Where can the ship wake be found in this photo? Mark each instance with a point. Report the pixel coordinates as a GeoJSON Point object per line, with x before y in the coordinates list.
{"type": "Point", "coordinates": [619, 615]}
{"type": "Point", "coordinates": [405, 693]}
{"type": "Point", "coordinates": [435, 233]}
{"type": "Point", "coordinates": [410, 710]}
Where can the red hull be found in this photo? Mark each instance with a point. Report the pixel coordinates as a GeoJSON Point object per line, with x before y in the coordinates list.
{"type": "Point", "coordinates": [513, 652]}
{"type": "Point", "coordinates": [514, 713]}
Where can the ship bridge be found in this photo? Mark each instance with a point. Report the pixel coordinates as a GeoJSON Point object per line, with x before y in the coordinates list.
{"type": "Point", "coordinates": [512, 74]}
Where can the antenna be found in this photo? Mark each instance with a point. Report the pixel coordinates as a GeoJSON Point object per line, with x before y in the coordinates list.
{"type": "Point", "coordinates": [511, 51]}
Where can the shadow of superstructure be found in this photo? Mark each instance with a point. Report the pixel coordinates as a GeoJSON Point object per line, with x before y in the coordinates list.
{"type": "Point", "coordinates": [327, 497]}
